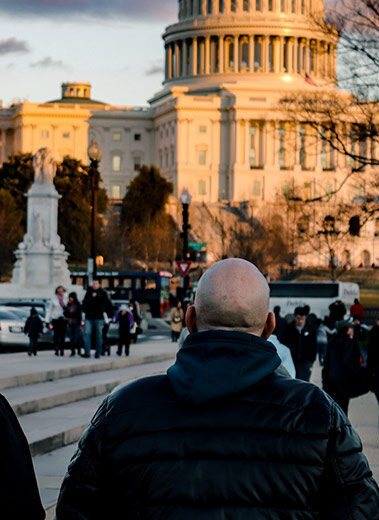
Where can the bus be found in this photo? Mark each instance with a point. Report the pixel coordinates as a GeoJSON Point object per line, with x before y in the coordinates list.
{"type": "Point", "coordinates": [318, 295]}
{"type": "Point", "coordinates": [150, 289]}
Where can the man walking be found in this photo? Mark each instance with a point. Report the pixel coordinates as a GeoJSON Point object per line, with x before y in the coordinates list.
{"type": "Point", "coordinates": [225, 434]}
{"type": "Point", "coordinates": [301, 339]}
{"type": "Point", "coordinates": [96, 304]}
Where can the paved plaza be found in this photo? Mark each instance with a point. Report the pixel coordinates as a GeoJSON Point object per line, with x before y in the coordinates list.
{"type": "Point", "coordinates": [55, 399]}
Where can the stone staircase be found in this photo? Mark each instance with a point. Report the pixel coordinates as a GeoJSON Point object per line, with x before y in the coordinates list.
{"type": "Point", "coordinates": [57, 397]}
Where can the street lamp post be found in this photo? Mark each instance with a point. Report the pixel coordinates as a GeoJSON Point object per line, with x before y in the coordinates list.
{"type": "Point", "coordinates": [185, 199]}
{"type": "Point", "coordinates": [94, 154]}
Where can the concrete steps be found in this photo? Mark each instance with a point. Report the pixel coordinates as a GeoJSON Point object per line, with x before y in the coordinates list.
{"type": "Point", "coordinates": [61, 411]}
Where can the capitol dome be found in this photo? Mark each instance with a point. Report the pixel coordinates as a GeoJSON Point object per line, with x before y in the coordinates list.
{"type": "Point", "coordinates": [225, 40]}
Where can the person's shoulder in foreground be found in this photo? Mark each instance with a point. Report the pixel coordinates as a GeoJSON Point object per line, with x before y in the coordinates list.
{"type": "Point", "coordinates": [225, 434]}
{"type": "Point", "coordinates": [19, 496]}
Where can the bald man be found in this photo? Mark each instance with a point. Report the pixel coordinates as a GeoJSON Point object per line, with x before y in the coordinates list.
{"type": "Point", "coordinates": [226, 434]}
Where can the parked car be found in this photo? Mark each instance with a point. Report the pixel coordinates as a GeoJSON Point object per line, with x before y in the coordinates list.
{"type": "Point", "coordinates": [11, 330]}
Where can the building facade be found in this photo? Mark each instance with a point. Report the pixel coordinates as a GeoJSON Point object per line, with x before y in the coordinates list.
{"type": "Point", "coordinates": [217, 127]}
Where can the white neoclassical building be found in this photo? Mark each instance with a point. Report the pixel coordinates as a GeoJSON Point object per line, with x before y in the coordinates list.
{"type": "Point", "coordinates": [217, 127]}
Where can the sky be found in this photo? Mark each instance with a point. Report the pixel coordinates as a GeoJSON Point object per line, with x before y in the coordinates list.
{"type": "Point", "coordinates": [115, 45]}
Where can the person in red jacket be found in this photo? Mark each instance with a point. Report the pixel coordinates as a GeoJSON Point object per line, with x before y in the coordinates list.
{"type": "Point", "coordinates": [357, 310]}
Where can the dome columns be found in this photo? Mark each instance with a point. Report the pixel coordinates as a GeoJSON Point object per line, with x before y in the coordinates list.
{"type": "Point", "coordinates": [208, 54]}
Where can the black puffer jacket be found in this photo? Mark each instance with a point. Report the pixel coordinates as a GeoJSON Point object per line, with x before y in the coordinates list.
{"type": "Point", "coordinates": [223, 436]}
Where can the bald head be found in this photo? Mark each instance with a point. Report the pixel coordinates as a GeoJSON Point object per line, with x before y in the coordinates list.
{"type": "Point", "coordinates": [232, 295]}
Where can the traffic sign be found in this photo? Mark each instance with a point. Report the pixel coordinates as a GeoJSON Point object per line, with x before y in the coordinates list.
{"type": "Point", "coordinates": [184, 267]}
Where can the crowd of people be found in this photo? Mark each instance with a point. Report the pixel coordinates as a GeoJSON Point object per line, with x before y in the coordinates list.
{"type": "Point", "coordinates": [85, 324]}
{"type": "Point", "coordinates": [225, 433]}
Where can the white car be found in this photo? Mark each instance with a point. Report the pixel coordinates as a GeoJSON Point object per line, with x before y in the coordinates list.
{"type": "Point", "coordinates": [11, 329]}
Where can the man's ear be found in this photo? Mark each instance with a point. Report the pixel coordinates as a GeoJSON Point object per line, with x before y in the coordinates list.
{"type": "Point", "coordinates": [191, 319]}
{"type": "Point", "coordinates": [269, 326]}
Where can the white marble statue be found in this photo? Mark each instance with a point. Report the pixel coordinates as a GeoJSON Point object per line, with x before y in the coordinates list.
{"type": "Point", "coordinates": [39, 233]}
{"type": "Point", "coordinates": [44, 167]}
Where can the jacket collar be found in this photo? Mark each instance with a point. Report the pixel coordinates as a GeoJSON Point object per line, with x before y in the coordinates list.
{"type": "Point", "coordinates": [215, 364]}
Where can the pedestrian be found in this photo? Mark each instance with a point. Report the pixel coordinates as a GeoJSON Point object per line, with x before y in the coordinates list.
{"type": "Point", "coordinates": [224, 434]}
{"type": "Point", "coordinates": [125, 321]}
{"type": "Point", "coordinates": [56, 319]}
{"type": "Point", "coordinates": [73, 313]}
{"type": "Point", "coordinates": [137, 320]}
{"type": "Point", "coordinates": [19, 495]}
{"type": "Point", "coordinates": [280, 323]}
{"type": "Point", "coordinates": [33, 328]}
{"type": "Point", "coordinates": [96, 304]}
{"type": "Point", "coordinates": [357, 310]}
{"type": "Point", "coordinates": [177, 316]}
{"type": "Point", "coordinates": [325, 332]}
{"type": "Point", "coordinates": [300, 338]}
{"type": "Point", "coordinates": [337, 311]}
{"type": "Point", "coordinates": [342, 370]}
{"type": "Point", "coordinates": [362, 338]}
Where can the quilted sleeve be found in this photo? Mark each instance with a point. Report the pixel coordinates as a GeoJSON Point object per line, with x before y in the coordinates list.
{"type": "Point", "coordinates": [350, 490]}
{"type": "Point", "coordinates": [81, 495]}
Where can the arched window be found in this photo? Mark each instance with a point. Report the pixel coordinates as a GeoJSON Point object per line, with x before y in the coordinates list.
{"type": "Point", "coordinates": [303, 224]}
{"type": "Point", "coordinates": [221, 6]}
{"type": "Point", "coordinates": [252, 152]}
{"type": "Point", "coordinates": [271, 55]}
{"type": "Point", "coordinates": [199, 7]}
{"type": "Point", "coordinates": [244, 53]}
{"type": "Point", "coordinates": [270, 5]}
{"type": "Point", "coordinates": [191, 7]}
{"type": "Point", "coordinates": [355, 226]}
{"type": "Point", "coordinates": [329, 224]}
{"type": "Point", "coordinates": [258, 54]}
{"type": "Point", "coordinates": [282, 5]}
{"type": "Point", "coordinates": [366, 258]}
{"type": "Point", "coordinates": [258, 5]}
{"type": "Point", "coordinates": [209, 6]}
{"type": "Point", "coordinates": [246, 5]}
{"type": "Point", "coordinates": [233, 5]}
{"type": "Point", "coordinates": [229, 53]}
{"type": "Point", "coordinates": [293, 6]}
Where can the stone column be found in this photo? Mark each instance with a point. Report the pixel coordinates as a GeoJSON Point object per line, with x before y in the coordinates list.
{"type": "Point", "coordinates": [251, 53]}
{"type": "Point", "coordinates": [207, 54]}
{"type": "Point", "coordinates": [166, 63]}
{"type": "Point", "coordinates": [194, 56]}
{"type": "Point", "coordinates": [227, 6]}
{"type": "Point", "coordinates": [306, 64]}
{"type": "Point", "coordinates": [204, 7]}
{"type": "Point", "coordinates": [177, 60]}
{"type": "Point", "coordinates": [265, 43]}
{"type": "Point", "coordinates": [221, 54]}
{"type": "Point", "coordinates": [247, 143]}
{"type": "Point", "coordinates": [283, 48]}
{"type": "Point", "coordinates": [267, 145]}
{"type": "Point", "coordinates": [239, 6]}
{"type": "Point", "coordinates": [215, 6]}
{"type": "Point", "coordinates": [276, 53]}
{"type": "Point", "coordinates": [169, 61]}
{"type": "Point", "coordinates": [236, 53]}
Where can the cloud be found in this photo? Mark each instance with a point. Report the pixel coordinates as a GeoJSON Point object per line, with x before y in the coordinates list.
{"type": "Point", "coordinates": [12, 45]}
{"type": "Point", "coordinates": [155, 68]}
{"type": "Point", "coordinates": [127, 9]}
{"type": "Point", "coordinates": [48, 63]}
